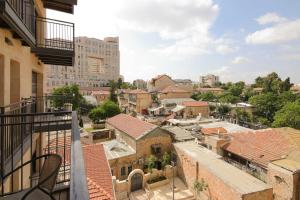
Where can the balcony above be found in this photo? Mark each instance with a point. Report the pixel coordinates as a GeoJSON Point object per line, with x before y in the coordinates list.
{"type": "Point", "coordinates": [51, 40]}
{"type": "Point", "coordinates": [19, 16]}
{"type": "Point", "coordinates": [54, 41]}
{"type": "Point", "coordinates": [61, 5]}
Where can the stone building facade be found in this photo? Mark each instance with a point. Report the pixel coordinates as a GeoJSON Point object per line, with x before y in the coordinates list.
{"type": "Point", "coordinates": [96, 63]}
{"type": "Point", "coordinates": [138, 140]}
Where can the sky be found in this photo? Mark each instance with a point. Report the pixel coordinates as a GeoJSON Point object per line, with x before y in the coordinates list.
{"type": "Point", "coordinates": [235, 39]}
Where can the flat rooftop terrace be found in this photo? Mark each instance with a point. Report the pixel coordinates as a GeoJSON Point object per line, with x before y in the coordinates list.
{"type": "Point", "coordinates": [240, 181]}
{"type": "Point", "coordinates": [116, 149]}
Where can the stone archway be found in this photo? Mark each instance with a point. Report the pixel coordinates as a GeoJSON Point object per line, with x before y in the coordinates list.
{"type": "Point", "coordinates": [136, 180]}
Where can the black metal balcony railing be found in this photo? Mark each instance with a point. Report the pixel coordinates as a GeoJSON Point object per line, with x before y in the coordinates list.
{"type": "Point", "coordinates": [51, 40]}
{"type": "Point", "coordinates": [27, 135]}
{"type": "Point", "coordinates": [54, 34]}
{"type": "Point", "coordinates": [25, 11]}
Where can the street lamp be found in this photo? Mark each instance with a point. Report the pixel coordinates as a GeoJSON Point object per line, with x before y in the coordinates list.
{"type": "Point", "coordinates": [173, 165]}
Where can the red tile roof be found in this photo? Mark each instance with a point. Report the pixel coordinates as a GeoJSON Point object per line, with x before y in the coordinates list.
{"type": "Point", "coordinates": [138, 91]}
{"type": "Point", "coordinates": [213, 131]}
{"type": "Point", "coordinates": [160, 76]}
{"type": "Point", "coordinates": [98, 173]}
{"type": "Point", "coordinates": [130, 125]}
{"type": "Point", "coordinates": [173, 89]}
{"type": "Point", "coordinates": [195, 103]}
{"type": "Point", "coordinates": [260, 146]}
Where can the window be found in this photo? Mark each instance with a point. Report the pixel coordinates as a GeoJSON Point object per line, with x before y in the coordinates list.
{"type": "Point", "coordinates": [156, 149]}
{"type": "Point", "coordinates": [123, 171]}
{"type": "Point", "coordinates": [129, 169]}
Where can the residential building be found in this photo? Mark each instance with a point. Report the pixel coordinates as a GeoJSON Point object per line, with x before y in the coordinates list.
{"type": "Point", "coordinates": [295, 89]}
{"type": "Point", "coordinates": [209, 79]}
{"type": "Point", "coordinates": [195, 108]}
{"type": "Point", "coordinates": [224, 181]}
{"type": "Point", "coordinates": [271, 155]}
{"type": "Point", "coordinates": [101, 95]}
{"type": "Point", "coordinates": [139, 101]}
{"type": "Point", "coordinates": [135, 141]}
{"type": "Point", "coordinates": [185, 84]}
{"type": "Point", "coordinates": [29, 156]}
{"type": "Point", "coordinates": [96, 63]}
{"type": "Point", "coordinates": [172, 92]}
{"type": "Point", "coordinates": [215, 91]}
{"type": "Point", "coordinates": [140, 84]}
{"type": "Point", "coordinates": [159, 83]}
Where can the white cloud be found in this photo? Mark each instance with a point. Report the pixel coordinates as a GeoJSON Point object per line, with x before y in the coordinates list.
{"type": "Point", "coordinates": [240, 60]}
{"type": "Point", "coordinates": [225, 49]}
{"type": "Point", "coordinates": [280, 33]}
{"type": "Point", "coordinates": [270, 18]}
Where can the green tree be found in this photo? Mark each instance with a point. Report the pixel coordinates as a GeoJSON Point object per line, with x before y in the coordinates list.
{"type": "Point", "coordinates": [208, 96]}
{"type": "Point", "coordinates": [166, 160]}
{"type": "Point", "coordinates": [236, 89]}
{"type": "Point", "coordinates": [286, 85]}
{"type": "Point", "coordinates": [223, 109]}
{"type": "Point", "coordinates": [106, 110]}
{"type": "Point", "coordinates": [151, 164]}
{"type": "Point", "coordinates": [288, 116]}
{"type": "Point", "coordinates": [113, 94]}
{"type": "Point", "coordinates": [243, 115]}
{"type": "Point", "coordinates": [67, 94]}
{"type": "Point", "coordinates": [119, 83]}
{"type": "Point", "coordinates": [266, 105]}
{"type": "Point", "coordinates": [199, 186]}
{"type": "Point", "coordinates": [228, 98]}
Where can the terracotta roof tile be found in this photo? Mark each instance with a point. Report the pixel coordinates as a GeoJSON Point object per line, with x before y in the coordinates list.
{"type": "Point", "coordinates": [173, 89]}
{"type": "Point", "coordinates": [98, 173]}
{"type": "Point", "coordinates": [137, 91]}
{"type": "Point", "coordinates": [213, 131]}
{"type": "Point", "coordinates": [261, 146]}
{"type": "Point", "coordinates": [130, 125]}
{"type": "Point", "coordinates": [195, 103]}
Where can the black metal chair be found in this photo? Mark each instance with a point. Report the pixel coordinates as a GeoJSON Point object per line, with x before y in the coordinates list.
{"type": "Point", "coordinates": [46, 181]}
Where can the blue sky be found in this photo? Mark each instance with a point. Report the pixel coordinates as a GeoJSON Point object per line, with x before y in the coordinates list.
{"type": "Point", "coordinates": [235, 39]}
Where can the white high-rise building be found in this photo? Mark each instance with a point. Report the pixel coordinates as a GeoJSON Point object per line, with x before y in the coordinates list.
{"type": "Point", "coordinates": [209, 79]}
{"type": "Point", "coordinates": [96, 63]}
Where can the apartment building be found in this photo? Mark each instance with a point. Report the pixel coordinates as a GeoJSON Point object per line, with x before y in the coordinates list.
{"type": "Point", "coordinates": [96, 63]}
{"type": "Point", "coordinates": [140, 84]}
{"type": "Point", "coordinates": [209, 79]}
{"type": "Point", "coordinates": [37, 154]}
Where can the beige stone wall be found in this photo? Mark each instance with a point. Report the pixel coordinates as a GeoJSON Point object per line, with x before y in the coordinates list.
{"type": "Point", "coordinates": [143, 101]}
{"type": "Point", "coordinates": [285, 184]}
{"type": "Point", "coordinates": [174, 95]}
{"type": "Point", "coordinates": [16, 64]}
{"type": "Point", "coordinates": [160, 84]}
{"type": "Point", "coordinates": [189, 169]}
{"type": "Point", "coordinates": [195, 111]}
{"type": "Point", "coordinates": [158, 136]}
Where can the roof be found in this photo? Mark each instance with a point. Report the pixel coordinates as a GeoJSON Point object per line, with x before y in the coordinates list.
{"type": "Point", "coordinates": [115, 149]}
{"type": "Point", "coordinates": [101, 92]}
{"type": "Point", "coordinates": [160, 76]}
{"type": "Point", "coordinates": [178, 108]}
{"type": "Point", "coordinates": [210, 89]}
{"type": "Point", "coordinates": [130, 125]}
{"type": "Point", "coordinates": [173, 89]}
{"type": "Point", "coordinates": [261, 146]}
{"type": "Point", "coordinates": [195, 104]}
{"type": "Point", "coordinates": [178, 133]}
{"type": "Point", "coordinates": [213, 131]}
{"type": "Point", "coordinates": [230, 127]}
{"type": "Point", "coordinates": [98, 173]}
{"type": "Point", "coordinates": [138, 91]}
{"type": "Point", "coordinates": [237, 179]}
{"type": "Point", "coordinates": [175, 100]}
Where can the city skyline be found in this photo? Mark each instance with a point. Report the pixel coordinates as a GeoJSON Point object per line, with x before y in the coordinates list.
{"type": "Point", "coordinates": [264, 38]}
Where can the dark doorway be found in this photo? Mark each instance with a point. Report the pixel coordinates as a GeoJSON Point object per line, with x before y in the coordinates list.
{"type": "Point", "coordinates": [136, 182]}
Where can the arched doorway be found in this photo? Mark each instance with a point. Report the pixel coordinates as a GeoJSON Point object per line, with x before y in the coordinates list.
{"type": "Point", "coordinates": [136, 182]}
